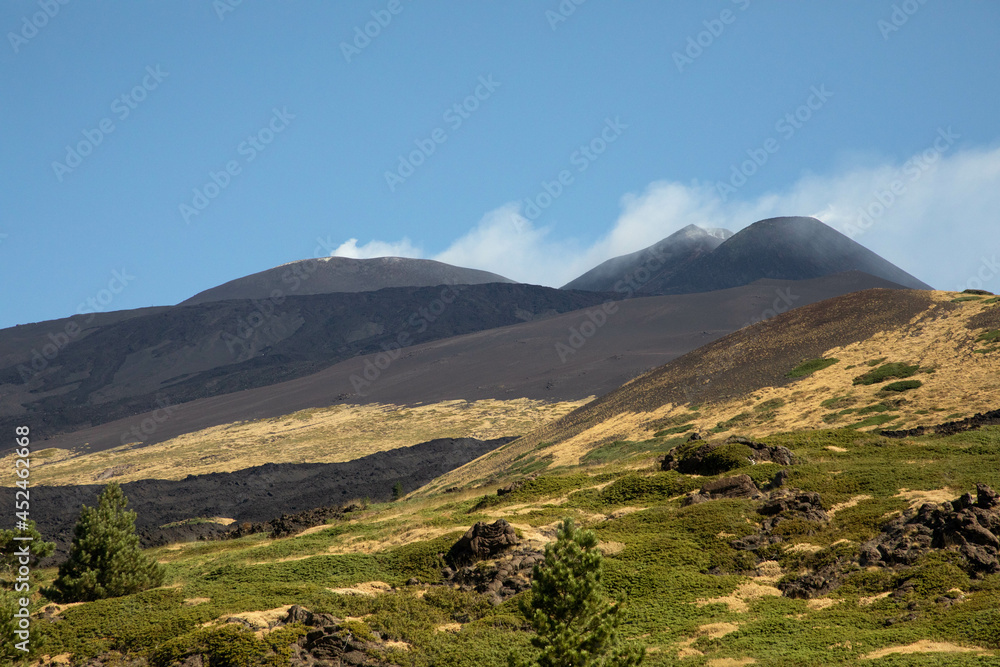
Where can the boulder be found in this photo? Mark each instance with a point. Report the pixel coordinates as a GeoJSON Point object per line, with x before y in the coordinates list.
{"type": "Point", "coordinates": [481, 542]}
{"type": "Point", "coordinates": [738, 486]}
{"type": "Point", "coordinates": [695, 456]}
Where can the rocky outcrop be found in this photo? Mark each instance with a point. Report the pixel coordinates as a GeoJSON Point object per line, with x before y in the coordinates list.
{"type": "Point", "coordinates": [481, 542]}
{"type": "Point", "coordinates": [740, 486]}
{"type": "Point", "coordinates": [499, 580]}
{"type": "Point", "coordinates": [969, 525]}
{"type": "Point", "coordinates": [290, 524]}
{"type": "Point", "coordinates": [782, 505]}
{"type": "Point", "coordinates": [697, 457]}
{"type": "Point", "coordinates": [978, 420]}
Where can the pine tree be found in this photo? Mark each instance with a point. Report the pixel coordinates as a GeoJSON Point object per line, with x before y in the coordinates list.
{"type": "Point", "coordinates": [105, 559]}
{"type": "Point", "coordinates": [575, 625]}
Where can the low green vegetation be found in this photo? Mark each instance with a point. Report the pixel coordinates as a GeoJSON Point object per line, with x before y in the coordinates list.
{"type": "Point", "coordinates": [886, 372]}
{"type": "Point", "coordinates": [674, 564]}
{"type": "Point", "coordinates": [810, 367]}
{"type": "Point", "coordinates": [902, 385]}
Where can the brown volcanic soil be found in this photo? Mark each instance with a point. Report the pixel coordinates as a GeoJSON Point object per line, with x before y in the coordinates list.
{"type": "Point", "coordinates": [519, 361]}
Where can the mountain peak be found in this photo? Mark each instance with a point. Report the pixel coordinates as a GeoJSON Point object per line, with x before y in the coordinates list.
{"type": "Point", "coordinates": [326, 275]}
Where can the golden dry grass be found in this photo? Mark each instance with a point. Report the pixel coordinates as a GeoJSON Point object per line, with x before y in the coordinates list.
{"type": "Point", "coordinates": [367, 589]}
{"type": "Point", "coordinates": [744, 593]}
{"type": "Point", "coordinates": [320, 435]}
{"type": "Point", "coordinates": [923, 646]}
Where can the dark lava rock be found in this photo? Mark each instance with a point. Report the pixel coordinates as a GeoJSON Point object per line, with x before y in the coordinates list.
{"type": "Point", "coordinates": [967, 525]}
{"type": "Point", "coordinates": [290, 524]}
{"type": "Point", "coordinates": [694, 459]}
{"type": "Point", "coordinates": [978, 420]}
{"type": "Point", "coordinates": [782, 505]}
{"type": "Point", "coordinates": [481, 542]}
{"type": "Point", "coordinates": [506, 577]}
{"type": "Point", "coordinates": [780, 478]}
{"type": "Point", "coordinates": [739, 486]}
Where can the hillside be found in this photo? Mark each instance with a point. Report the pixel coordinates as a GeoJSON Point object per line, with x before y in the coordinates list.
{"type": "Point", "coordinates": [327, 275]}
{"type": "Point", "coordinates": [741, 382]}
{"type": "Point", "coordinates": [814, 541]}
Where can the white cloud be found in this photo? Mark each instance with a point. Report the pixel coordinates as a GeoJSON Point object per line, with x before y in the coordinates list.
{"type": "Point", "coordinates": [940, 224]}
{"type": "Point", "coordinates": [350, 248]}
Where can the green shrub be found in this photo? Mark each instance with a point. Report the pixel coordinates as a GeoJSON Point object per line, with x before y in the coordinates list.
{"type": "Point", "coordinates": [810, 367]}
{"type": "Point", "coordinates": [934, 578]}
{"type": "Point", "coordinates": [635, 487]}
{"type": "Point", "coordinates": [874, 420]}
{"type": "Point", "coordinates": [683, 428]}
{"type": "Point", "coordinates": [839, 402]}
{"type": "Point", "coordinates": [886, 371]}
{"type": "Point", "coordinates": [729, 424]}
{"type": "Point", "coordinates": [727, 457]}
{"type": "Point", "coordinates": [902, 385]}
{"type": "Point", "coordinates": [877, 407]}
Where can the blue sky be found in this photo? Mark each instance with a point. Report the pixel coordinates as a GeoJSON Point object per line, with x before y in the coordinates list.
{"type": "Point", "coordinates": [643, 109]}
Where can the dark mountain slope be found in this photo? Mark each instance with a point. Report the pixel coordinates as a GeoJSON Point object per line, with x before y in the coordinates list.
{"type": "Point", "coordinates": [648, 270]}
{"type": "Point", "coordinates": [793, 248]}
{"type": "Point", "coordinates": [132, 365]}
{"type": "Point", "coordinates": [344, 274]}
